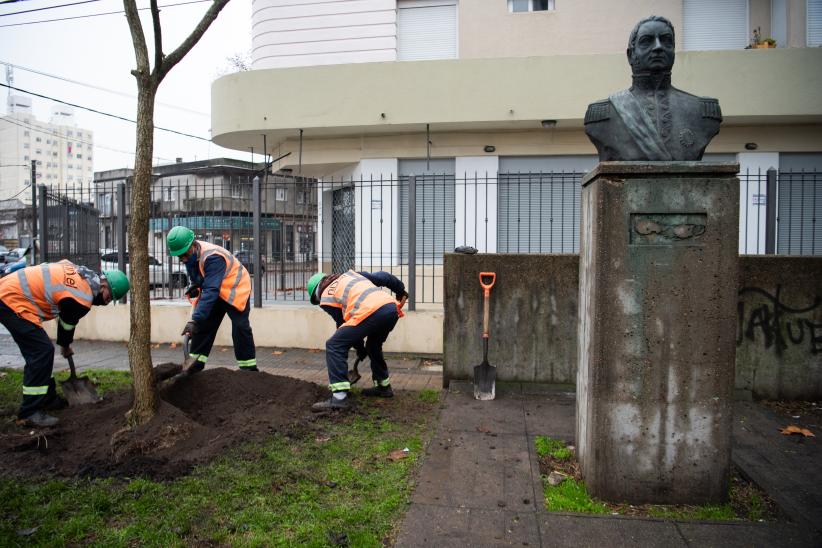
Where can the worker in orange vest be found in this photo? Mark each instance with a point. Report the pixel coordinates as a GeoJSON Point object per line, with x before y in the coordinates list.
{"type": "Point", "coordinates": [224, 287]}
{"type": "Point", "coordinates": [33, 295]}
{"type": "Point", "coordinates": [363, 312]}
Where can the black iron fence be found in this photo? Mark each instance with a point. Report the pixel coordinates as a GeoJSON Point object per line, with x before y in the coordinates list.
{"type": "Point", "coordinates": [283, 229]}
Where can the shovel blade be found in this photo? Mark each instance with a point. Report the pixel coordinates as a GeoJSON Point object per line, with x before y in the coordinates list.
{"type": "Point", "coordinates": [485, 377]}
{"type": "Point", "coordinates": [79, 391]}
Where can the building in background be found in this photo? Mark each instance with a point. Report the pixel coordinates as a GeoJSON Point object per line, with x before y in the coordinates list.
{"type": "Point", "coordinates": [475, 97]}
{"type": "Point", "coordinates": [62, 150]}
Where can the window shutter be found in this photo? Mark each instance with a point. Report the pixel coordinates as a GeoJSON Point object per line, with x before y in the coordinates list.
{"type": "Point", "coordinates": [814, 19]}
{"type": "Point", "coordinates": [715, 24]}
{"type": "Point", "coordinates": [799, 204]}
{"type": "Point", "coordinates": [435, 203]}
{"type": "Point", "coordinates": [426, 32]}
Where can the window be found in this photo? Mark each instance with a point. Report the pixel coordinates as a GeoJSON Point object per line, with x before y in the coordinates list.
{"type": "Point", "coordinates": [280, 194]}
{"type": "Point", "coordinates": [25, 158]}
{"type": "Point", "coordinates": [814, 23]}
{"type": "Point", "coordinates": [70, 133]}
{"type": "Point", "coordinates": [517, 6]}
{"type": "Point", "coordinates": [39, 162]}
{"type": "Point", "coordinates": [38, 139]}
{"type": "Point", "coordinates": [79, 145]}
{"type": "Point", "coordinates": [25, 145]}
{"type": "Point", "coordinates": [48, 141]}
{"type": "Point", "coordinates": [54, 154]}
{"type": "Point", "coordinates": [26, 133]}
{"type": "Point", "coordinates": [708, 24]}
{"type": "Point", "coordinates": [39, 151]}
{"type": "Point", "coordinates": [79, 156]}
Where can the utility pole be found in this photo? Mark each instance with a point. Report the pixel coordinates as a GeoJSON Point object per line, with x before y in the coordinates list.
{"type": "Point", "coordinates": [33, 212]}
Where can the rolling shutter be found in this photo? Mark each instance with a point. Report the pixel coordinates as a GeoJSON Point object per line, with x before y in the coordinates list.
{"type": "Point", "coordinates": [426, 30]}
{"type": "Point", "coordinates": [814, 23]}
{"type": "Point", "coordinates": [715, 24]}
{"type": "Point", "coordinates": [799, 204]}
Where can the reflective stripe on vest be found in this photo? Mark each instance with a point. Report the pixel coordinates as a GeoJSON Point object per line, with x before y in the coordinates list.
{"type": "Point", "coordinates": [236, 286]}
{"type": "Point", "coordinates": [356, 296]}
{"type": "Point", "coordinates": [35, 292]}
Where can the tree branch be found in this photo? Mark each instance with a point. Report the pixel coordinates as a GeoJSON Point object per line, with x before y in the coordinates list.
{"type": "Point", "coordinates": [177, 55]}
{"type": "Point", "coordinates": [137, 36]}
{"type": "Point", "coordinates": [158, 37]}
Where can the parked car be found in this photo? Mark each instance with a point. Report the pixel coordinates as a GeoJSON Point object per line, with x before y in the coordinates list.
{"type": "Point", "coordinates": [246, 259]}
{"type": "Point", "coordinates": [3, 252]}
{"type": "Point", "coordinates": [158, 274]}
{"type": "Point", "coordinates": [16, 254]}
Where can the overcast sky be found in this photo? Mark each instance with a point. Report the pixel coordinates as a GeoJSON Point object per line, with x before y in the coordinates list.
{"type": "Point", "coordinates": [98, 51]}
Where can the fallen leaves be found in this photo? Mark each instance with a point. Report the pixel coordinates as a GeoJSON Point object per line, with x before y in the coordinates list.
{"type": "Point", "coordinates": [793, 429]}
{"type": "Point", "coordinates": [277, 352]}
{"type": "Point", "coordinates": [398, 454]}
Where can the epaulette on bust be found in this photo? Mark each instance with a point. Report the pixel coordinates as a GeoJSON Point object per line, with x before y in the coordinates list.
{"type": "Point", "coordinates": [710, 108]}
{"type": "Point", "coordinates": [598, 112]}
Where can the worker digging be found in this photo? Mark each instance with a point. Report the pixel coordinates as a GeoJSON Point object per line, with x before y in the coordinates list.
{"type": "Point", "coordinates": [220, 285]}
{"type": "Point", "coordinates": [33, 295]}
{"type": "Point", "coordinates": [365, 315]}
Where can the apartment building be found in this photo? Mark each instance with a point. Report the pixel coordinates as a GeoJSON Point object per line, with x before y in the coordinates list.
{"type": "Point", "coordinates": [62, 150]}
{"type": "Point", "coordinates": [480, 92]}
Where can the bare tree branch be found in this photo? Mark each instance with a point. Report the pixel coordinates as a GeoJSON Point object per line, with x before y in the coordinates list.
{"type": "Point", "coordinates": [177, 55]}
{"type": "Point", "coordinates": [137, 36]}
{"type": "Point", "coordinates": [158, 37]}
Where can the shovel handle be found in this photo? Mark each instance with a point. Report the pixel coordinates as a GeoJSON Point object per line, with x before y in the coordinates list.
{"type": "Point", "coordinates": [186, 346]}
{"type": "Point", "coordinates": [71, 366]}
{"type": "Point", "coordinates": [486, 306]}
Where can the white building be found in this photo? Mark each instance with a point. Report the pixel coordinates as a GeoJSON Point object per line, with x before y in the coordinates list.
{"type": "Point", "coordinates": [62, 151]}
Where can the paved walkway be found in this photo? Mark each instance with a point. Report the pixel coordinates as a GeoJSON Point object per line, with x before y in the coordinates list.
{"type": "Point", "coordinates": [408, 372]}
{"type": "Point", "coordinates": [480, 485]}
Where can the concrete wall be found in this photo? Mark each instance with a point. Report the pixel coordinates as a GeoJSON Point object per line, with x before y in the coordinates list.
{"type": "Point", "coordinates": [533, 335]}
{"type": "Point", "coordinates": [295, 326]}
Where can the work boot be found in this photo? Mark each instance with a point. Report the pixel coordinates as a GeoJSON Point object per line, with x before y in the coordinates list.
{"type": "Point", "coordinates": [39, 419]}
{"type": "Point", "coordinates": [195, 368]}
{"type": "Point", "coordinates": [331, 404]}
{"type": "Point", "coordinates": [378, 392]}
{"type": "Point", "coordinates": [56, 403]}
{"type": "Point", "coordinates": [252, 368]}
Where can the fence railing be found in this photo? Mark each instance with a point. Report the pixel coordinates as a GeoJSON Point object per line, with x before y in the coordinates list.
{"type": "Point", "coordinates": [283, 229]}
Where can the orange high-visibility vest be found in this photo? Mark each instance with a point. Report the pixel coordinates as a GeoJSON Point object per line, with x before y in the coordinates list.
{"type": "Point", "coordinates": [356, 296]}
{"type": "Point", "coordinates": [236, 286]}
{"type": "Point", "coordinates": [34, 292]}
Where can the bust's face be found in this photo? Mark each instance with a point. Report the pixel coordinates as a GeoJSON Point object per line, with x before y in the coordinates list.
{"type": "Point", "coordinates": [654, 48]}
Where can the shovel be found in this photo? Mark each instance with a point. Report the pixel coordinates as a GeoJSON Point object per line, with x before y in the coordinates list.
{"type": "Point", "coordinates": [354, 374]}
{"type": "Point", "coordinates": [485, 374]}
{"type": "Point", "coordinates": [78, 390]}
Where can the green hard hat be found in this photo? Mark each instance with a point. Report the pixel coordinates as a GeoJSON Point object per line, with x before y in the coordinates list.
{"type": "Point", "coordinates": [118, 282]}
{"type": "Point", "coordinates": [179, 239]}
{"type": "Point", "coordinates": [311, 286]}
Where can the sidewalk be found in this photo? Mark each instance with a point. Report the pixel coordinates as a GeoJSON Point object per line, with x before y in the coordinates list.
{"type": "Point", "coordinates": [480, 486]}
{"type": "Point", "coordinates": [407, 372]}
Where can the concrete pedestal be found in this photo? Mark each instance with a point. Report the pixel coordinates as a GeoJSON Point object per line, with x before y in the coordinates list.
{"type": "Point", "coordinates": [657, 330]}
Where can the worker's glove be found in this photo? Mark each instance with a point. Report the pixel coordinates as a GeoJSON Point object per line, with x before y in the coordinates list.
{"type": "Point", "coordinates": [193, 291]}
{"type": "Point", "coordinates": [190, 329]}
{"type": "Point", "coordinates": [66, 351]}
{"type": "Point", "coordinates": [362, 353]}
{"type": "Point", "coordinates": [401, 298]}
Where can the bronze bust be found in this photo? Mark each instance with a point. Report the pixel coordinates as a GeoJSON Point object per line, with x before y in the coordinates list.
{"type": "Point", "coordinates": [652, 120]}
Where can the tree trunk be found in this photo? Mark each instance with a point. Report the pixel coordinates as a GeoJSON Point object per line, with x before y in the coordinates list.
{"type": "Point", "coordinates": [139, 344]}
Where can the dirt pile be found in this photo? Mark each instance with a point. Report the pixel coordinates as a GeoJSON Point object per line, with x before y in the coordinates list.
{"type": "Point", "coordinates": [198, 419]}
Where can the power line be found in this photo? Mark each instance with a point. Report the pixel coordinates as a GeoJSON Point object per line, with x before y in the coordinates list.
{"type": "Point", "coordinates": [53, 134]}
{"type": "Point", "coordinates": [115, 116]}
{"type": "Point", "coordinates": [48, 8]}
{"type": "Point", "coordinates": [99, 14]}
{"type": "Point", "coordinates": [92, 86]}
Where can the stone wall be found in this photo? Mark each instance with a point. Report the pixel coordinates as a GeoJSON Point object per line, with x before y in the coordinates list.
{"type": "Point", "coordinates": [534, 321]}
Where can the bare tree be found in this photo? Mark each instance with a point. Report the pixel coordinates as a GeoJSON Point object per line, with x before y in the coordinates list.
{"type": "Point", "coordinates": [148, 81]}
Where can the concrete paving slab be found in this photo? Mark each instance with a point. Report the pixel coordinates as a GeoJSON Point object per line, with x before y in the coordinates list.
{"type": "Point", "coordinates": [441, 527]}
{"type": "Point", "coordinates": [551, 414]}
{"type": "Point", "coordinates": [583, 531]}
{"type": "Point", "coordinates": [503, 415]}
{"type": "Point", "coordinates": [743, 535]}
{"type": "Point", "coordinates": [788, 468]}
{"type": "Point", "coordinates": [477, 470]}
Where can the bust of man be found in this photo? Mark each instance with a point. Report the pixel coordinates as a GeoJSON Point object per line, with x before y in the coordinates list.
{"type": "Point", "coordinates": [652, 121]}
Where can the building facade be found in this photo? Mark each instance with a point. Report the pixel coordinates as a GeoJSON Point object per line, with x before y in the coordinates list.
{"type": "Point", "coordinates": [477, 97]}
{"type": "Point", "coordinates": [63, 152]}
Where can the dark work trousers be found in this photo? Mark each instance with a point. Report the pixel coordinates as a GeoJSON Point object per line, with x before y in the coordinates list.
{"type": "Point", "coordinates": [241, 335]}
{"type": "Point", "coordinates": [374, 329]}
{"type": "Point", "coordinates": [38, 351]}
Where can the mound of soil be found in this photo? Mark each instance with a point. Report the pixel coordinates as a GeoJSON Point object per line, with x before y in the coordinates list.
{"type": "Point", "coordinates": [198, 419]}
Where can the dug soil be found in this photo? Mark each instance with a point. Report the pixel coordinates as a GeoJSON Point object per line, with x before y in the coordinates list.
{"type": "Point", "coordinates": [199, 418]}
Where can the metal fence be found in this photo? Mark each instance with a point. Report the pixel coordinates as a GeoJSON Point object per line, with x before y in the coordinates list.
{"type": "Point", "coordinates": [283, 229]}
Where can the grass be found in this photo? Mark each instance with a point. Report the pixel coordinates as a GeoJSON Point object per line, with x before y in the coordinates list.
{"type": "Point", "coordinates": [746, 502]}
{"type": "Point", "coordinates": [307, 490]}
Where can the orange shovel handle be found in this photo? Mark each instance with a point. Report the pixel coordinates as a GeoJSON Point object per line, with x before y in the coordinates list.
{"type": "Point", "coordinates": [487, 286]}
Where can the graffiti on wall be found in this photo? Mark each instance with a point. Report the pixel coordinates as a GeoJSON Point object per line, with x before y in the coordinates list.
{"type": "Point", "coordinates": [777, 325]}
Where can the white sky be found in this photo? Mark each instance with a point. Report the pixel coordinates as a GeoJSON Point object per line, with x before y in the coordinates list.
{"type": "Point", "coordinates": [98, 51]}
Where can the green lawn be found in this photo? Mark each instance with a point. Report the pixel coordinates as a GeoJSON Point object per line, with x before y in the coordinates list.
{"type": "Point", "coordinates": [307, 490]}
